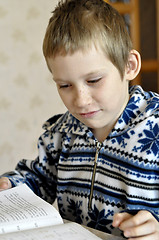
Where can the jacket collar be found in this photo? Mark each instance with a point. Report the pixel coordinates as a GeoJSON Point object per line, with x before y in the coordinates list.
{"type": "Point", "coordinates": [67, 123]}
{"type": "Point", "coordinates": [134, 112]}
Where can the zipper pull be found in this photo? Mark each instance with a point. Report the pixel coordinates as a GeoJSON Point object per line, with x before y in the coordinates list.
{"type": "Point", "coordinates": [98, 147]}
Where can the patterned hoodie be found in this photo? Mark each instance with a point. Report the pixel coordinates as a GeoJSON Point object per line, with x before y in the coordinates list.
{"type": "Point", "coordinates": [93, 180]}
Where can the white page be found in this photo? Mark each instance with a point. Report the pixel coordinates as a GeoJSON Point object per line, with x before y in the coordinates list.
{"type": "Point", "coordinates": [68, 231]}
{"type": "Point", "coordinates": [21, 209]}
{"type": "Point", "coordinates": [104, 235]}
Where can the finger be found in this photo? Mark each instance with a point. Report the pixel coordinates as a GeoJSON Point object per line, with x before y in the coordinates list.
{"type": "Point", "coordinates": [154, 236]}
{"type": "Point", "coordinates": [147, 228]}
{"type": "Point", "coordinates": [140, 218]}
{"type": "Point", "coordinates": [119, 218]}
{"type": "Point", "coordinates": [4, 183]}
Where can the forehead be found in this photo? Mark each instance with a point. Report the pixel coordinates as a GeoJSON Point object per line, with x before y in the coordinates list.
{"type": "Point", "coordinates": [79, 64]}
{"type": "Point", "coordinates": [78, 57]}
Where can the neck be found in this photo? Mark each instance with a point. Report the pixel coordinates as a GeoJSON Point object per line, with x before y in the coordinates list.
{"type": "Point", "coordinates": [102, 133]}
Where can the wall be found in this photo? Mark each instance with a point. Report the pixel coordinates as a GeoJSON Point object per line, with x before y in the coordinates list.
{"type": "Point", "coordinates": [28, 94]}
{"type": "Point", "coordinates": [148, 42]}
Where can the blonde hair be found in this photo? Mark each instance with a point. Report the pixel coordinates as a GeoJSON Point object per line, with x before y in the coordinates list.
{"type": "Point", "coordinates": [77, 24]}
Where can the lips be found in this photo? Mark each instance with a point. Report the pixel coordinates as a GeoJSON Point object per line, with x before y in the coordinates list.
{"type": "Point", "coordinates": [89, 114]}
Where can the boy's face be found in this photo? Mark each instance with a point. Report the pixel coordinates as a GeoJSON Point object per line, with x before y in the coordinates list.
{"type": "Point", "coordinates": [91, 88]}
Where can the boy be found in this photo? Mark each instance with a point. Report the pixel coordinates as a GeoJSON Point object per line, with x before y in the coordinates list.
{"type": "Point", "coordinates": [99, 159]}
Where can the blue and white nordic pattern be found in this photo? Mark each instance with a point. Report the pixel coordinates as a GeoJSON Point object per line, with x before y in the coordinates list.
{"type": "Point", "coordinates": [127, 173]}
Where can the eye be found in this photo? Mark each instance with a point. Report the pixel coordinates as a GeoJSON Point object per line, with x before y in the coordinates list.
{"type": "Point", "coordinates": [95, 80]}
{"type": "Point", "coordinates": [64, 86]}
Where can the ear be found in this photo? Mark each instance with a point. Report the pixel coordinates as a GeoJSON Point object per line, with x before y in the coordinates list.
{"type": "Point", "coordinates": [133, 66]}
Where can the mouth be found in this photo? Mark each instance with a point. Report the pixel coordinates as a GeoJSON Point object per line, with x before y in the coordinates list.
{"type": "Point", "coordinates": [89, 114]}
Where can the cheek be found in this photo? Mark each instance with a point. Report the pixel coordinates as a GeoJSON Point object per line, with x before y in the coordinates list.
{"type": "Point", "coordinates": [108, 97]}
{"type": "Point", "coordinates": [104, 95]}
{"type": "Point", "coordinates": [66, 99]}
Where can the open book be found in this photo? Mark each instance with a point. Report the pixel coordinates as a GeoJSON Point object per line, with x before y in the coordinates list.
{"type": "Point", "coordinates": [23, 215]}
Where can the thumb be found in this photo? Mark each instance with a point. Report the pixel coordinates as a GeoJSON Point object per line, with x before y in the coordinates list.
{"type": "Point", "coordinates": [5, 183]}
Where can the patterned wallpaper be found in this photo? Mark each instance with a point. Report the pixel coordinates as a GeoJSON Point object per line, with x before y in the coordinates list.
{"type": "Point", "coordinates": [28, 94]}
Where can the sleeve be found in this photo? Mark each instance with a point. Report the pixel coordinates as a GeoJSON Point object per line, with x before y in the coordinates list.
{"type": "Point", "coordinates": [40, 174]}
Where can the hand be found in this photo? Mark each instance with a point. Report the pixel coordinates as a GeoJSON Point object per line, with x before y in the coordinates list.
{"type": "Point", "coordinates": [142, 226]}
{"type": "Point", "coordinates": [5, 183]}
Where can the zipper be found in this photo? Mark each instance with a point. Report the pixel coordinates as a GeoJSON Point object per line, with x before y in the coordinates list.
{"type": "Point", "coordinates": [98, 147]}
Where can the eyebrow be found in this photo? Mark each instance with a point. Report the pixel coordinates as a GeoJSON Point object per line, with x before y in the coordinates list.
{"type": "Point", "coordinates": [94, 73]}
{"type": "Point", "coordinates": [99, 71]}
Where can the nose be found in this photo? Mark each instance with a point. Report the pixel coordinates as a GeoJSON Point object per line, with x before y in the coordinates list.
{"type": "Point", "coordinates": [82, 97]}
